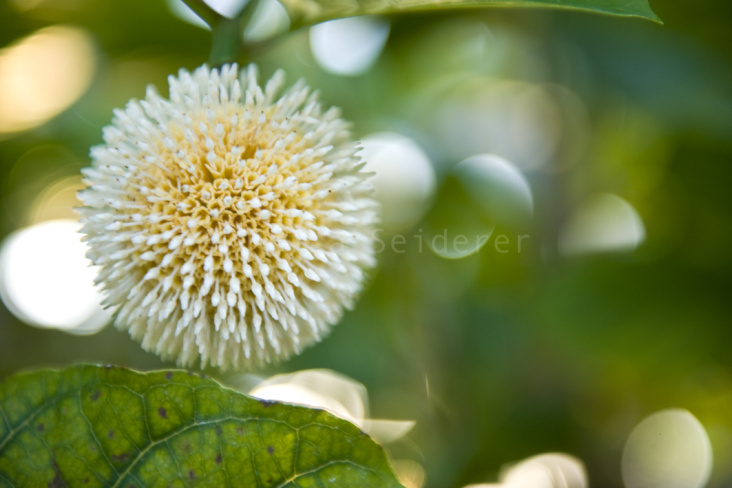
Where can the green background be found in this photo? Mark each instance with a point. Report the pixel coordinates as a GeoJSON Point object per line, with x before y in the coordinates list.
{"type": "Point", "coordinates": [497, 356]}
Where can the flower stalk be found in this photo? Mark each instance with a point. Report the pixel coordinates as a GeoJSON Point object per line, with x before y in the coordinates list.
{"type": "Point", "coordinates": [227, 44]}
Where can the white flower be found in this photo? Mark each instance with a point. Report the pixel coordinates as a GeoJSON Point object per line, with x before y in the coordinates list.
{"type": "Point", "coordinates": [231, 226]}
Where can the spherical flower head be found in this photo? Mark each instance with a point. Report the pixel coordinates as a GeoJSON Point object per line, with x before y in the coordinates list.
{"type": "Point", "coordinates": [232, 226]}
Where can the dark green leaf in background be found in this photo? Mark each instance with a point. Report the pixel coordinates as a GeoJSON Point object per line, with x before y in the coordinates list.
{"type": "Point", "coordinates": [97, 426]}
{"type": "Point", "coordinates": [304, 12]}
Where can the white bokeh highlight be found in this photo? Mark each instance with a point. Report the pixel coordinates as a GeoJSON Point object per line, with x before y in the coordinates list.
{"type": "Point", "coordinates": [404, 178]}
{"type": "Point", "coordinates": [551, 470]}
{"type": "Point", "coordinates": [326, 389]}
{"type": "Point", "coordinates": [604, 223]}
{"type": "Point", "coordinates": [669, 449]}
{"type": "Point", "coordinates": [492, 191]}
{"type": "Point", "coordinates": [498, 187]}
{"type": "Point", "coordinates": [349, 46]}
{"type": "Point", "coordinates": [227, 8]}
{"type": "Point", "coordinates": [336, 393]}
{"type": "Point", "coordinates": [519, 121]}
{"type": "Point", "coordinates": [411, 474]}
{"type": "Point", "coordinates": [269, 18]}
{"type": "Point", "coordinates": [46, 280]}
{"type": "Point", "coordinates": [43, 74]}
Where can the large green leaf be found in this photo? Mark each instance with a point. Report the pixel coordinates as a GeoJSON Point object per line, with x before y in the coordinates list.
{"type": "Point", "coordinates": [93, 426]}
{"type": "Point", "coordinates": [304, 12]}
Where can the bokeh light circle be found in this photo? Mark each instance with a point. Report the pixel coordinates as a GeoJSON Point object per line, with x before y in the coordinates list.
{"type": "Point", "coordinates": [349, 46]}
{"type": "Point", "coordinates": [42, 75]}
{"type": "Point", "coordinates": [46, 279]}
{"type": "Point", "coordinates": [403, 177]}
{"type": "Point", "coordinates": [669, 449]}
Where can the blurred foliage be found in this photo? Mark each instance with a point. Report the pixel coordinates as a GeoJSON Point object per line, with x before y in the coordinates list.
{"type": "Point", "coordinates": [497, 356]}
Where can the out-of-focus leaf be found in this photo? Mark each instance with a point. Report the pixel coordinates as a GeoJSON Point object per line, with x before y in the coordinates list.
{"type": "Point", "coordinates": [114, 427]}
{"type": "Point", "coordinates": [305, 12]}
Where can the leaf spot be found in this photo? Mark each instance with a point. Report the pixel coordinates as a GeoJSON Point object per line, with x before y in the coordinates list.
{"type": "Point", "coordinates": [218, 458]}
{"type": "Point", "coordinates": [270, 449]}
{"type": "Point", "coordinates": [40, 427]}
{"type": "Point", "coordinates": [110, 434]}
{"type": "Point", "coordinates": [57, 481]}
{"type": "Point", "coordinates": [95, 396]}
{"type": "Point", "coordinates": [168, 376]}
{"type": "Point", "coordinates": [218, 431]}
{"type": "Point", "coordinates": [191, 474]}
{"type": "Point", "coordinates": [120, 458]}
{"type": "Point", "coordinates": [163, 413]}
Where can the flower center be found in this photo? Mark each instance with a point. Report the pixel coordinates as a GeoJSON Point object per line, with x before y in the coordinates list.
{"type": "Point", "coordinates": [232, 188]}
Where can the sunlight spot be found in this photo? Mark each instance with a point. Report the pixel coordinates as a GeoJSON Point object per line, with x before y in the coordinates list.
{"type": "Point", "coordinates": [386, 431]}
{"type": "Point", "coordinates": [519, 121]}
{"type": "Point", "coordinates": [410, 473]}
{"type": "Point", "coordinates": [334, 392]}
{"type": "Point", "coordinates": [179, 9]}
{"type": "Point", "coordinates": [321, 388]}
{"type": "Point", "coordinates": [500, 188]}
{"type": "Point", "coordinates": [602, 223]}
{"type": "Point", "coordinates": [404, 178]}
{"type": "Point", "coordinates": [554, 470]}
{"type": "Point", "coordinates": [669, 449]}
{"type": "Point", "coordinates": [42, 75]}
{"type": "Point", "coordinates": [349, 46]}
{"type": "Point", "coordinates": [551, 470]}
{"type": "Point", "coordinates": [46, 281]}
{"type": "Point", "coordinates": [269, 20]}
{"type": "Point", "coordinates": [227, 8]}
{"type": "Point", "coordinates": [480, 192]}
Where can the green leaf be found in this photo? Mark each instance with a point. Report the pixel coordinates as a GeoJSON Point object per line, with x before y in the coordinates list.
{"type": "Point", "coordinates": [306, 12]}
{"type": "Point", "coordinates": [92, 426]}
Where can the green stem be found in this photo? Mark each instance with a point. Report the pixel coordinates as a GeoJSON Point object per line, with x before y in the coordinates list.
{"type": "Point", "coordinates": [227, 43]}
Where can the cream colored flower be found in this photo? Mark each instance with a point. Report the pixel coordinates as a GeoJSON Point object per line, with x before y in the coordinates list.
{"type": "Point", "coordinates": [232, 226]}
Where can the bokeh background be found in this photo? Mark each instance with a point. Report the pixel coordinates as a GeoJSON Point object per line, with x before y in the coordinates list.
{"type": "Point", "coordinates": [590, 156]}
